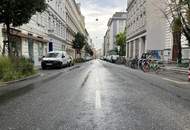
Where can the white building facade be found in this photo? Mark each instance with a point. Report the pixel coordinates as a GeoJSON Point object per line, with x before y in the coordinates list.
{"type": "Point", "coordinates": [75, 23]}
{"type": "Point", "coordinates": [116, 25]}
{"type": "Point", "coordinates": [52, 30]}
{"type": "Point", "coordinates": [148, 30]}
{"type": "Point", "coordinates": [168, 48]}
{"type": "Point", "coordinates": [56, 25]}
{"type": "Point", "coordinates": [145, 28]}
{"type": "Point", "coordinates": [29, 40]}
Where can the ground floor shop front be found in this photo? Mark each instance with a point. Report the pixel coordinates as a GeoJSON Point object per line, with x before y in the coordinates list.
{"type": "Point", "coordinates": [28, 45]}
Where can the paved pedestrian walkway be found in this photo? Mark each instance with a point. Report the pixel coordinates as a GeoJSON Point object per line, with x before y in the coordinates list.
{"type": "Point", "coordinates": [173, 67]}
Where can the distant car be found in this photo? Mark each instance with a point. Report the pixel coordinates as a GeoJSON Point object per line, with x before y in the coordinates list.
{"type": "Point", "coordinates": [55, 59]}
{"type": "Point", "coordinates": [88, 58]}
{"type": "Point", "coordinates": [114, 58]}
{"type": "Point", "coordinates": [108, 58]}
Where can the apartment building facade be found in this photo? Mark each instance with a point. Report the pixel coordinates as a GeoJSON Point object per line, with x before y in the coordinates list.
{"type": "Point", "coordinates": [145, 28]}
{"type": "Point", "coordinates": [116, 24]}
{"type": "Point", "coordinates": [52, 30]}
{"type": "Point", "coordinates": [169, 52]}
{"type": "Point", "coordinates": [29, 40]}
{"type": "Point", "coordinates": [148, 30]}
{"type": "Point", "coordinates": [75, 22]}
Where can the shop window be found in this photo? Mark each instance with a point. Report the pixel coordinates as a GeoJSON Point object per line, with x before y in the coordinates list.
{"type": "Point", "coordinates": [40, 49]}
{"type": "Point", "coordinates": [16, 46]}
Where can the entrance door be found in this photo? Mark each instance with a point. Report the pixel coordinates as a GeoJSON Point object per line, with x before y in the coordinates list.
{"type": "Point", "coordinates": [50, 46]}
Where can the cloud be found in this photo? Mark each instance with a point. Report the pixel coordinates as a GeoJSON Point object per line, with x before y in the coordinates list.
{"type": "Point", "coordinates": [101, 10]}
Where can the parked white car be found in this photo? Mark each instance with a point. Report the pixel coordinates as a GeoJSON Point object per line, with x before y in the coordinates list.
{"type": "Point", "coordinates": [112, 58]}
{"type": "Point", "coordinates": [55, 59]}
{"type": "Point", "coordinates": [88, 58]}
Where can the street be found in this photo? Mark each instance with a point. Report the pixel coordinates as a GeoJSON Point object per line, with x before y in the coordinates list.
{"type": "Point", "coordinates": [98, 96]}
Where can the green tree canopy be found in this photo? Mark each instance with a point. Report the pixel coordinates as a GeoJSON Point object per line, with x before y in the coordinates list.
{"type": "Point", "coordinates": [121, 41]}
{"type": "Point", "coordinates": [79, 41]}
{"type": "Point", "coordinates": [17, 13]}
{"type": "Point", "coordinates": [89, 50]}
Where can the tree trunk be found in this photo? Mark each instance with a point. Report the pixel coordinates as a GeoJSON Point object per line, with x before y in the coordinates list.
{"type": "Point", "coordinates": [177, 54]}
{"type": "Point", "coordinates": [75, 54]}
{"type": "Point", "coordinates": [4, 45]}
{"type": "Point", "coordinates": [8, 39]}
{"type": "Point", "coordinates": [80, 54]}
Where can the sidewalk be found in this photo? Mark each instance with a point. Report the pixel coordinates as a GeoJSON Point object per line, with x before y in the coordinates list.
{"type": "Point", "coordinates": [174, 72]}
{"type": "Point", "coordinates": [174, 68]}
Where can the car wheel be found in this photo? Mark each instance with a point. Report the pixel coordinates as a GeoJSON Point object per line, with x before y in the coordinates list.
{"type": "Point", "coordinates": [44, 68]}
{"type": "Point", "coordinates": [60, 66]}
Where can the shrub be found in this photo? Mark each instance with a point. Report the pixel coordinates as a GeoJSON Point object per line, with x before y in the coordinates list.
{"type": "Point", "coordinates": [5, 66]}
{"type": "Point", "coordinates": [24, 66]}
{"type": "Point", "coordinates": [15, 68]}
{"type": "Point", "coordinates": [79, 60]}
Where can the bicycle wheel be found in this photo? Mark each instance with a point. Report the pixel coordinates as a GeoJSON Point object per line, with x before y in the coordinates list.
{"type": "Point", "coordinates": [157, 70]}
{"type": "Point", "coordinates": [146, 68]}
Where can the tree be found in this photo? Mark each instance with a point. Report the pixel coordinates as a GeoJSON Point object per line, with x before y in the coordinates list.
{"type": "Point", "coordinates": [178, 15]}
{"type": "Point", "coordinates": [121, 40]}
{"type": "Point", "coordinates": [89, 50]}
{"type": "Point", "coordinates": [78, 43]}
{"type": "Point", "coordinates": [177, 33]}
{"type": "Point", "coordinates": [180, 9]}
{"type": "Point", "coordinates": [16, 13]}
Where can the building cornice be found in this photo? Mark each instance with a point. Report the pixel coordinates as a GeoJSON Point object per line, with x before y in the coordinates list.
{"type": "Point", "coordinates": [79, 14]}
{"type": "Point", "coordinates": [137, 34]}
{"type": "Point", "coordinates": [130, 3]}
{"type": "Point", "coordinates": [51, 9]}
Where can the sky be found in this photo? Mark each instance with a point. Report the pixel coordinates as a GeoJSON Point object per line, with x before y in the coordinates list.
{"type": "Point", "coordinates": [101, 10]}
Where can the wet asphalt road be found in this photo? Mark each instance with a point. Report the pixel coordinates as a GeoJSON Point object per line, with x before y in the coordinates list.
{"type": "Point", "coordinates": [98, 96]}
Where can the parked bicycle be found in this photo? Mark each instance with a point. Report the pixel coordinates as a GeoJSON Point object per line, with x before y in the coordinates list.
{"type": "Point", "coordinates": [134, 63]}
{"type": "Point", "coordinates": [151, 65]}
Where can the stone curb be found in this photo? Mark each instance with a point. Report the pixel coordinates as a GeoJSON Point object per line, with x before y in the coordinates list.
{"type": "Point", "coordinates": [9, 85]}
{"type": "Point", "coordinates": [4, 84]}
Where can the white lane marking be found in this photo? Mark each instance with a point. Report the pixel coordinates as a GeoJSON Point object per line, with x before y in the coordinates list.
{"type": "Point", "coordinates": [177, 82]}
{"type": "Point", "coordinates": [42, 75]}
{"type": "Point", "coordinates": [98, 100]}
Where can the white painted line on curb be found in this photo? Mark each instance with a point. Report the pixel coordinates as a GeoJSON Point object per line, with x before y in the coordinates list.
{"type": "Point", "coordinates": [177, 82]}
{"type": "Point", "coordinates": [98, 100]}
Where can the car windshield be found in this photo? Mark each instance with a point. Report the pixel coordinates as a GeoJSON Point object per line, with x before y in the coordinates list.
{"type": "Point", "coordinates": [52, 55]}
